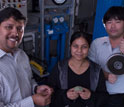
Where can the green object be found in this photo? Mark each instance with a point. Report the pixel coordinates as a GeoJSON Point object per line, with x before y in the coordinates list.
{"type": "Point", "coordinates": [78, 88]}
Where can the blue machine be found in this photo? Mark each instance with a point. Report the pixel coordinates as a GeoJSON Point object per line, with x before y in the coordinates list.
{"type": "Point", "coordinates": [102, 7]}
{"type": "Point", "coordinates": [55, 31]}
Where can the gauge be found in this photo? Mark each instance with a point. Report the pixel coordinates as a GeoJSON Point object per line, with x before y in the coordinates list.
{"type": "Point", "coordinates": [61, 19]}
{"type": "Point", "coordinates": [55, 20]}
{"type": "Point", "coordinates": [59, 2]}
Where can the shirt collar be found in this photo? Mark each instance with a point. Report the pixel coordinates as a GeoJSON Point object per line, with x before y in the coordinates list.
{"type": "Point", "coordinates": [105, 40]}
{"type": "Point", "coordinates": [3, 53]}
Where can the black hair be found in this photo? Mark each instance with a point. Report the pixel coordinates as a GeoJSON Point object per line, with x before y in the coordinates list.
{"type": "Point", "coordinates": [8, 12]}
{"type": "Point", "coordinates": [79, 34]}
{"type": "Point", "coordinates": [116, 12]}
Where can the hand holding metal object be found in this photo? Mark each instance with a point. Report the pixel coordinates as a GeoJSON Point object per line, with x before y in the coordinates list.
{"type": "Point", "coordinates": [78, 88]}
{"type": "Point", "coordinates": [115, 63]}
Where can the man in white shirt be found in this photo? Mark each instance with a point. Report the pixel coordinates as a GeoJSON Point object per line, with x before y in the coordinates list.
{"type": "Point", "coordinates": [102, 48]}
{"type": "Point", "coordinates": [16, 83]}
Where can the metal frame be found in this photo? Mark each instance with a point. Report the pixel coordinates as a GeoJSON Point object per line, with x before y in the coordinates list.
{"type": "Point", "coordinates": [42, 6]}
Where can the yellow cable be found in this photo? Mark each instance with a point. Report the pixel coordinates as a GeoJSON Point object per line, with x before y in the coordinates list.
{"type": "Point", "coordinates": [37, 66]}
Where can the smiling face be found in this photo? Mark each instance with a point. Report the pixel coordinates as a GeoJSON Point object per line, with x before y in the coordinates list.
{"type": "Point", "coordinates": [79, 49]}
{"type": "Point", "coordinates": [115, 28]}
{"type": "Point", "coordinates": [11, 33]}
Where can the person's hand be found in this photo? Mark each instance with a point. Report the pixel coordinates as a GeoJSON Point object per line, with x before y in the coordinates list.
{"type": "Point", "coordinates": [44, 90]}
{"type": "Point", "coordinates": [85, 93]}
{"type": "Point", "coordinates": [122, 46]}
{"type": "Point", "coordinates": [41, 100]}
{"type": "Point", "coordinates": [72, 94]}
{"type": "Point", "coordinates": [112, 78]}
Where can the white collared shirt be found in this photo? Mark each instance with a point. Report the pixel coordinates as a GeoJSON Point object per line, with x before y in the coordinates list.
{"type": "Point", "coordinates": [15, 80]}
{"type": "Point", "coordinates": [99, 52]}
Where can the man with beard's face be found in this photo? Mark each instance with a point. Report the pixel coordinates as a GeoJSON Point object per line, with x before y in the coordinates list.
{"type": "Point", "coordinates": [16, 84]}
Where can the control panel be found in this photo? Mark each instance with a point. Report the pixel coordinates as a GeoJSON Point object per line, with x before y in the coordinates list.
{"type": "Point", "coordinates": [18, 4]}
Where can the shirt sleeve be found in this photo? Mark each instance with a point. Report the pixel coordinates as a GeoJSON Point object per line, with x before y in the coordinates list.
{"type": "Point", "coordinates": [33, 82]}
{"type": "Point", "coordinates": [27, 102]}
{"type": "Point", "coordinates": [92, 54]}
